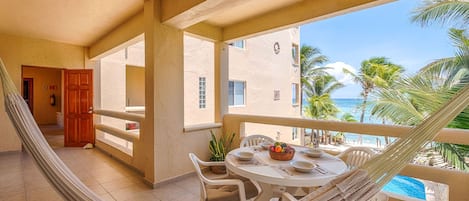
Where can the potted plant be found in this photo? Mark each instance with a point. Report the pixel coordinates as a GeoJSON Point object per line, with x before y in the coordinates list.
{"type": "Point", "coordinates": [339, 138]}
{"type": "Point", "coordinates": [218, 150]}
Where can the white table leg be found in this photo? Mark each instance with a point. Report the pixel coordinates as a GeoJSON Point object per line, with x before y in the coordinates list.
{"type": "Point", "coordinates": [269, 191]}
{"type": "Point", "coordinates": [266, 193]}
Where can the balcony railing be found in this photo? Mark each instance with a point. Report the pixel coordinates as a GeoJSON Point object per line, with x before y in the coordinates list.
{"type": "Point", "coordinates": [123, 143]}
{"type": "Point", "coordinates": [457, 181]}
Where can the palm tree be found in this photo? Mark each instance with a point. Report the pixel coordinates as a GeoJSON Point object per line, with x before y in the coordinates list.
{"type": "Point", "coordinates": [310, 61]}
{"type": "Point", "coordinates": [320, 104]}
{"type": "Point", "coordinates": [320, 107]}
{"type": "Point", "coordinates": [454, 12]}
{"type": "Point", "coordinates": [374, 72]}
{"type": "Point", "coordinates": [408, 104]}
{"type": "Point", "coordinates": [322, 84]}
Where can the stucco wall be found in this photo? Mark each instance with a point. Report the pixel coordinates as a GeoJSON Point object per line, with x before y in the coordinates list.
{"type": "Point", "coordinates": [112, 87]}
{"type": "Point", "coordinates": [265, 71]}
{"type": "Point", "coordinates": [47, 81]}
{"type": "Point", "coordinates": [17, 51]}
{"type": "Point", "coordinates": [135, 86]}
{"type": "Point", "coordinates": [198, 62]}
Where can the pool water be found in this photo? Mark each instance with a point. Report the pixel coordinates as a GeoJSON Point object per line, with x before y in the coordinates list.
{"type": "Point", "coordinates": [407, 186]}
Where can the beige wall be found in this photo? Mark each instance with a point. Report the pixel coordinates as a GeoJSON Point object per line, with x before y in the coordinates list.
{"type": "Point", "coordinates": [265, 71]}
{"type": "Point", "coordinates": [112, 87]}
{"type": "Point", "coordinates": [17, 51]}
{"type": "Point", "coordinates": [136, 54]}
{"type": "Point", "coordinates": [135, 86]}
{"type": "Point", "coordinates": [47, 81]}
{"type": "Point", "coordinates": [198, 62]}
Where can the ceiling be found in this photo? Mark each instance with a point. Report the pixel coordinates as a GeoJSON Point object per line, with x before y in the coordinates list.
{"type": "Point", "coordinates": [84, 22]}
{"type": "Point", "coordinates": [78, 22]}
{"type": "Point", "coordinates": [248, 9]}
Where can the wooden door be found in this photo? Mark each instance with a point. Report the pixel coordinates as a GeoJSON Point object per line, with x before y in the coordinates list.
{"type": "Point", "coordinates": [78, 108]}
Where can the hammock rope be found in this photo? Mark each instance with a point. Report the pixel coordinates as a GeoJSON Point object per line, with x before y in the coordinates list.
{"type": "Point", "coordinates": [363, 183]}
{"type": "Point", "coordinates": [53, 168]}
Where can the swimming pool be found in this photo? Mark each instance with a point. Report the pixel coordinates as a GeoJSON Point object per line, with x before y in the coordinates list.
{"type": "Point", "coordinates": [406, 186]}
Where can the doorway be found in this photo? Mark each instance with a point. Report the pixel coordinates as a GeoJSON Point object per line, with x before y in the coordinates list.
{"type": "Point", "coordinates": [42, 92]}
{"type": "Point", "coordinates": [28, 87]}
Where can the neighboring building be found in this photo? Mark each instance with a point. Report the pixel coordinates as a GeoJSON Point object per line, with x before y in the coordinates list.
{"type": "Point", "coordinates": [264, 79]}
{"type": "Point", "coordinates": [199, 81]}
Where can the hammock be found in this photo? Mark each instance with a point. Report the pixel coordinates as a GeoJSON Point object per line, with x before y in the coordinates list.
{"type": "Point", "coordinates": [56, 172]}
{"type": "Point", "coordinates": [366, 181]}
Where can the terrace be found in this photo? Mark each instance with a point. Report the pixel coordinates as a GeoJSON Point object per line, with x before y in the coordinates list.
{"type": "Point", "coordinates": [150, 167]}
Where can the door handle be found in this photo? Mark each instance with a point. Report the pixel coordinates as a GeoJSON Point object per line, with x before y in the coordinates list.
{"type": "Point", "coordinates": [90, 110]}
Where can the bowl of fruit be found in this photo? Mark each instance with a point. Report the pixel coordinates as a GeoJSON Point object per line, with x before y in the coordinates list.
{"type": "Point", "coordinates": [281, 151]}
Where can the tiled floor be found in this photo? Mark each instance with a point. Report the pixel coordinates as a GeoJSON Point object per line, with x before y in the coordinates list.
{"type": "Point", "coordinates": [111, 180]}
{"type": "Point", "coordinates": [21, 180]}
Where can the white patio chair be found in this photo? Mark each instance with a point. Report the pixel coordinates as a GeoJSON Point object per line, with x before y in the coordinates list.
{"type": "Point", "coordinates": [254, 140]}
{"type": "Point", "coordinates": [229, 188]}
{"type": "Point", "coordinates": [356, 156]}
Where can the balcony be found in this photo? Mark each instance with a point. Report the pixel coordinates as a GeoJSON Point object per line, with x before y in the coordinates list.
{"type": "Point", "coordinates": [120, 178]}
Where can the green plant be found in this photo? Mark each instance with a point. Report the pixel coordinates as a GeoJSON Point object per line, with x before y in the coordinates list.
{"type": "Point", "coordinates": [220, 147]}
{"type": "Point", "coordinates": [339, 137]}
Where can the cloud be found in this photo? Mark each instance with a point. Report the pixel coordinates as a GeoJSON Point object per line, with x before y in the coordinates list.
{"type": "Point", "coordinates": [336, 70]}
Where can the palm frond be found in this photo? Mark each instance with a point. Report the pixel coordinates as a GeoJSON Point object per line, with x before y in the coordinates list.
{"type": "Point", "coordinates": [451, 12]}
{"type": "Point", "coordinates": [453, 156]}
{"type": "Point", "coordinates": [396, 107]}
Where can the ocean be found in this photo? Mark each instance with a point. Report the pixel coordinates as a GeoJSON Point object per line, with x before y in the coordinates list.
{"type": "Point", "coordinates": [352, 106]}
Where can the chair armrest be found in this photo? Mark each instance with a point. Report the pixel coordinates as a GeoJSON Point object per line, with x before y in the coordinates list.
{"type": "Point", "coordinates": [224, 182]}
{"type": "Point", "coordinates": [288, 197]}
{"type": "Point", "coordinates": [212, 163]}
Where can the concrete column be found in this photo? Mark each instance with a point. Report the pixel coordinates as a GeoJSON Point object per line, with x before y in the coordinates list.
{"type": "Point", "coordinates": [217, 46]}
{"type": "Point", "coordinates": [222, 77]}
{"type": "Point", "coordinates": [164, 96]}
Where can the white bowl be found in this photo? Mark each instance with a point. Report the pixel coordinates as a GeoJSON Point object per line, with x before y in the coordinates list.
{"type": "Point", "coordinates": [266, 145]}
{"type": "Point", "coordinates": [245, 155]}
{"type": "Point", "coordinates": [303, 166]}
{"type": "Point", "coordinates": [315, 153]}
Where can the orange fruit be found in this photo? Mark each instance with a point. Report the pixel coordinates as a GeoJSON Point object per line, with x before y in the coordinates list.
{"type": "Point", "coordinates": [278, 148]}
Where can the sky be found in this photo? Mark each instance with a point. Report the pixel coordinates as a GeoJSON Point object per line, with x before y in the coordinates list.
{"type": "Point", "coordinates": [384, 30]}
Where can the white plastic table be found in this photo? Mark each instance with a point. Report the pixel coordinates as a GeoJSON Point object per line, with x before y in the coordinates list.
{"type": "Point", "coordinates": [275, 176]}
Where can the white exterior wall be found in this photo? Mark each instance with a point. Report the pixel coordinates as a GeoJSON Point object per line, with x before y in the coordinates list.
{"type": "Point", "coordinates": [264, 71]}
